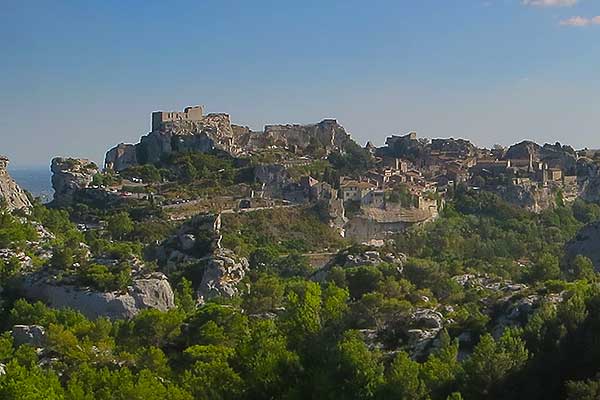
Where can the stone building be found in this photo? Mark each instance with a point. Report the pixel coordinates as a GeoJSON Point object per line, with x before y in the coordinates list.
{"type": "Point", "coordinates": [193, 113]}
{"type": "Point", "coordinates": [355, 190]}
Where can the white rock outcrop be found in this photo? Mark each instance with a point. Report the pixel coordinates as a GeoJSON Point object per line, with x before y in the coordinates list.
{"type": "Point", "coordinates": [152, 291]}
{"type": "Point", "coordinates": [70, 175]}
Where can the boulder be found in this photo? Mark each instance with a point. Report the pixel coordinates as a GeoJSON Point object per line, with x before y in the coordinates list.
{"type": "Point", "coordinates": [194, 239]}
{"type": "Point", "coordinates": [33, 335]}
{"type": "Point", "coordinates": [371, 339]}
{"type": "Point", "coordinates": [427, 319]}
{"type": "Point", "coordinates": [10, 191]}
{"type": "Point", "coordinates": [514, 312]}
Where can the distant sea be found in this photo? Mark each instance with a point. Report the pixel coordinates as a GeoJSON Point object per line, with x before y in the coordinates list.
{"type": "Point", "coordinates": [36, 180]}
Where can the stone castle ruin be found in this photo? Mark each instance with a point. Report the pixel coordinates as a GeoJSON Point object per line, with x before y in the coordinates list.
{"type": "Point", "coordinates": [159, 118]}
{"type": "Point", "coordinates": [192, 130]}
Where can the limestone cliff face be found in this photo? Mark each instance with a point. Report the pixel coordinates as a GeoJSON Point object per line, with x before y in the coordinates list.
{"type": "Point", "coordinates": [213, 131]}
{"type": "Point", "coordinates": [121, 157]}
{"type": "Point", "coordinates": [70, 175]}
{"type": "Point", "coordinates": [10, 192]}
{"type": "Point", "coordinates": [588, 174]}
{"type": "Point", "coordinates": [273, 177]}
{"type": "Point", "coordinates": [535, 199]}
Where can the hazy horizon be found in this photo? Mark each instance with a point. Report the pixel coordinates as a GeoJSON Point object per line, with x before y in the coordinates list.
{"type": "Point", "coordinates": [80, 79]}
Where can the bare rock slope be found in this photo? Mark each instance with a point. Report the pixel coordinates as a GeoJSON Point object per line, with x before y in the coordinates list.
{"type": "Point", "coordinates": [10, 192]}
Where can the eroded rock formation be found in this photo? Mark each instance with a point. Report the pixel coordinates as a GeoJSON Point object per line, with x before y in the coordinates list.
{"type": "Point", "coordinates": [198, 241]}
{"type": "Point", "coordinates": [70, 175]}
{"type": "Point", "coordinates": [10, 192]}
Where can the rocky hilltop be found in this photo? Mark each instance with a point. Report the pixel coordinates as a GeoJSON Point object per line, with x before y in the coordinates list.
{"type": "Point", "coordinates": [327, 135]}
{"type": "Point", "coordinates": [555, 155]}
{"type": "Point", "coordinates": [193, 131]}
{"type": "Point", "coordinates": [10, 192]}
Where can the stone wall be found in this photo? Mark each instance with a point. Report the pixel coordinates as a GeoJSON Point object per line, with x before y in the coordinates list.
{"type": "Point", "coordinates": [189, 114]}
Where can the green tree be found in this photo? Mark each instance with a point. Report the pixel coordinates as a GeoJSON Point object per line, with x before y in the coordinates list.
{"type": "Point", "coordinates": [31, 383]}
{"type": "Point", "coordinates": [360, 372]}
{"type": "Point", "coordinates": [362, 280]}
{"type": "Point", "coordinates": [267, 366]}
{"type": "Point", "coordinates": [442, 367]}
{"type": "Point", "coordinates": [185, 296]}
{"type": "Point", "coordinates": [119, 225]}
{"type": "Point", "coordinates": [335, 303]}
{"type": "Point", "coordinates": [403, 380]}
{"type": "Point", "coordinates": [546, 268]}
{"type": "Point", "coordinates": [582, 268]}
{"type": "Point", "coordinates": [302, 317]}
{"type": "Point", "coordinates": [583, 390]}
{"type": "Point", "coordinates": [492, 362]}
{"type": "Point", "coordinates": [266, 294]}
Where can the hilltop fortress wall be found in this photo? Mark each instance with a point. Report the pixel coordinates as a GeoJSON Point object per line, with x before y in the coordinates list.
{"type": "Point", "coordinates": [194, 113]}
{"type": "Point", "coordinates": [192, 130]}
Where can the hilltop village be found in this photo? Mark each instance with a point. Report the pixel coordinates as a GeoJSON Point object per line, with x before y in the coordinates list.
{"type": "Point", "coordinates": [382, 190]}
{"type": "Point", "coordinates": [210, 260]}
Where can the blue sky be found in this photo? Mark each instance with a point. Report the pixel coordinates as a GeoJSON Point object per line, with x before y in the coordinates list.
{"type": "Point", "coordinates": [78, 77]}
